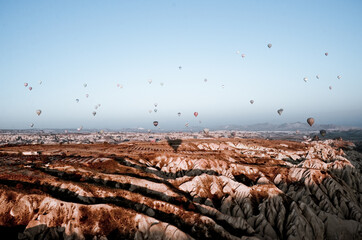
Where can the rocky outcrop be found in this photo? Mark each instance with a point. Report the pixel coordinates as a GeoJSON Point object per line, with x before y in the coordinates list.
{"type": "Point", "coordinates": [203, 189]}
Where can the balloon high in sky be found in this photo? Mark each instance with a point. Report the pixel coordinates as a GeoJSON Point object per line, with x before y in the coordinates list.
{"type": "Point", "coordinates": [187, 56]}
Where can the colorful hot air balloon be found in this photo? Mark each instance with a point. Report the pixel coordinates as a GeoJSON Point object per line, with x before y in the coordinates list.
{"type": "Point", "coordinates": [270, 45]}
{"type": "Point", "coordinates": [252, 101]}
{"type": "Point", "coordinates": [280, 111]}
{"type": "Point", "coordinates": [326, 54]}
{"type": "Point", "coordinates": [38, 112]}
{"type": "Point", "coordinates": [155, 123]}
{"type": "Point", "coordinates": [25, 84]}
{"type": "Point", "coordinates": [195, 114]}
{"type": "Point", "coordinates": [310, 121]}
{"type": "Point", "coordinates": [30, 88]}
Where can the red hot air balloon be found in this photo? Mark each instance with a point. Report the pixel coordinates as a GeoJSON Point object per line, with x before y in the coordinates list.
{"type": "Point", "coordinates": [310, 121]}
{"type": "Point", "coordinates": [195, 114]}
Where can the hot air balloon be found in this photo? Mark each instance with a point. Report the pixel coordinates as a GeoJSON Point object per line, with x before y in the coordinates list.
{"type": "Point", "coordinates": [339, 76]}
{"type": "Point", "coordinates": [305, 79]}
{"type": "Point", "coordinates": [179, 114]}
{"type": "Point", "coordinates": [40, 82]}
{"type": "Point", "coordinates": [155, 123]}
{"type": "Point", "coordinates": [251, 101]}
{"type": "Point", "coordinates": [179, 67]}
{"type": "Point", "coordinates": [80, 128]}
{"type": "Point", "coordinates": [206, 131]}
{"type": "Point", "coordinates": [25, 84]}
{"type": "Point", "coordinates": [87, 95]}
{"type": "Point", "coordinates": [32, 125]}
{"type": "Point", "coordinates": [30, 88]}
{"type": "Point", "coordinates": [205, 80]}
{"type": "Point", "coordinates": [280, 111]}
{"type": "Point", "coordinates": [243, 55]}
{"type": "Point", "coordinates": [85, 85]}
{"type": "Point", "coordinates": [187, 125]}
{"type": "Point", "coordinates": [323, 132]}
{"type": "Point", "coordinates": [96, 107]}
{"type": "Point", "coordinates": [149, 111]}
{"type": "Point", "coordinates": [330, 87]}
{"type": "Point", "coordinates": [94, 113]}
{"type": "Point", "coordinates": [317, 76]}
{"type": "Point", "coordinates": [270, 45]}
{"type": "Point", "coordinates": [38, 112]}
{"type": "Point", "coordinates": [195, 114]}
{"type": "Point", "coordinates": [77, 100]}
{"type": "Point", "coordinates": [99, 104]}
{"type": "Point", "coordinates": [310, 121]}
{"type": "Point", "coordinates": [161, 84]}
{"type": "Point", "coordinates": [149, 81]}
{"type": "Point", "coordinates": [155, 110]}
{"type": "Point", "coordinates": [326, 54]}
{"type": "Point", "coordinates": [155, 104]}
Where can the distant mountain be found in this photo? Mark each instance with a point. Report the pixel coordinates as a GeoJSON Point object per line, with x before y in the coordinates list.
{"type": "Point", "coordinates": [283, 127]}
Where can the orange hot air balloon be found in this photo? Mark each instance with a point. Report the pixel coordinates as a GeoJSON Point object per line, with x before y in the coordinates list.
{"type": "Point", "coordinates": [310, 121]}
{"type": "Point", "coordinates": [195, 114]}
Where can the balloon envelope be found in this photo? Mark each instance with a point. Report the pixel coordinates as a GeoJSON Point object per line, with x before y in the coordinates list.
{"type": "Point", "coordinates": [317, 76]}
{"type": "Point", "coordinates": [94, 113]}
{"type": "Point", "coordinates": [85, 85]}
{"type": "Point", "coordinates": [243, 55]}
{"type": "Point", "coordinates": [305, 79]}
{"type": "Point", "coordinates": [195, 114]}
{"type": "Point", "coordinates": [155, 110]}
{"type": "Point", "coordinates": [30, 88]}
{"type": "Point", "coordinates": [310, 121]}
{"type": "Point", "coordinates": [280, 111]}
{"type": "Point", "coordinates": [179, 114]}
{"type": "Point", "coordinates": [25, 84]}
{"type": "Point", "coordinates": [251, 101]}
{"type": "Point", "coordinates": [205, 80]}
{"type": "Point", "coordinates": [323, 132]}
{"type": "Point", "coordinates": [270, 45]}
{"type": "Point", "coordinates": [330, 87]}
{"type": "Point", "coordinates": [77, 100]}
{"type": "Point", "coordinates": [38, 112]}
{"type": "Point", "coordinates": [206, 130]}
{"type": "Point", "coordinates": [155, 123]}
{"type": "Point", "coordinates": [326, 54]}
{"type": "Point", "coordinates": [339, 76]}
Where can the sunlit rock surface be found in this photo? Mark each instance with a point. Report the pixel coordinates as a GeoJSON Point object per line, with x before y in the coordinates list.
{"type": "Point", "coordinates": [190, 189]}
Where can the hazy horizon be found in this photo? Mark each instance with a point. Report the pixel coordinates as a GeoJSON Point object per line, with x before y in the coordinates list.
{"type": "Point", "coordinates": [66, 44]}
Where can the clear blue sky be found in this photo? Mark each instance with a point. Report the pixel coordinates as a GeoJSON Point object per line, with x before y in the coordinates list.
{"type": "Point", "coordinates": [104, 43]}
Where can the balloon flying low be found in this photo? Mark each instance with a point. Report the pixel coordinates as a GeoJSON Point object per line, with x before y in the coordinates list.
{"type": "Point", "coordinates": [32, 125]}
{"type": "Point", "coordinates": [206, 130]}
{"type": "Point", "coordinates": [310, 121]}
{"type": "Point", "coordinates": [323, 132]}
{"type": "Point", "coordinates": [280, 111]}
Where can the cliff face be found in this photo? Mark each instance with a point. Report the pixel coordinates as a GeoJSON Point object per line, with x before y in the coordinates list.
{"type": "Point", "coordinates": [192, 189]}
